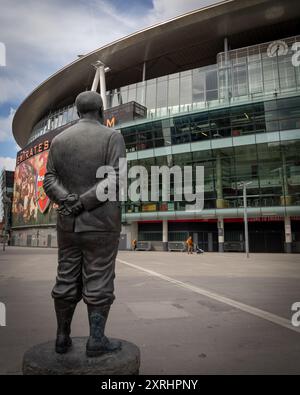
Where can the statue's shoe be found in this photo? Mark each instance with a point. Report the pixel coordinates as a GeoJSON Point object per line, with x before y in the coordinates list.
{"type": "Point", "coordinates": [96, 347]}
{"type": "Point", "coordinates": [63, 344]}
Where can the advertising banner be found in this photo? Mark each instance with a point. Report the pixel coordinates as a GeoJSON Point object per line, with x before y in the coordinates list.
{"type": "Point", "coordinates": [31, 206]}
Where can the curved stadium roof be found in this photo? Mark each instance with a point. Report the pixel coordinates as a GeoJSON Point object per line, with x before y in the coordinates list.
{"type": "Point", "coordinates": [189, 41]}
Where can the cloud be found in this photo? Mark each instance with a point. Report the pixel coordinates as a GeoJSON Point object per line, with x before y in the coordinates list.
{"type": "Point", "coordinates": [50, 36]}
{"type": "Point", "coordinates": [5, 126]}
{"type": "Point", "coordinates": [166, 9]}
{"type": "Point", "coordinates": [7, 163]}
{"type": "Point", "coordinates": [43, 36]}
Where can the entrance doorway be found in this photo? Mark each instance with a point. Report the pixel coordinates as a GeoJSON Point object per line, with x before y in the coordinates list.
{"type": "Point", "coordinates": [207, 241]}
{"type": "Point", "coordinates": [123, 242]}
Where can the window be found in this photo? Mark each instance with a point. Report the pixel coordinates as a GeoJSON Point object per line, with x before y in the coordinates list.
{"type": "Point", "coordinates": [240, 85]}
{"type": "Point", "coordinates": [255, 77]}
{"type": "Point", "coordinates": [185, 92]}
{"type": "Point", "coordinates": [124, 95]}
{"type": "Point", "coordinates": [151, 95]}
{"type": "Point", "coordinates": [132, 93]}
{"type": "Point", "coordinates": [173, 94]}
{"type": "Point", "coordinates": [198, 86]}
{"type": "Point", "coordinates": [162, 96]}
{"type": "Point", "coordinates": [211, 80]}
{"type": "Point", "coordinates": [140, 92]}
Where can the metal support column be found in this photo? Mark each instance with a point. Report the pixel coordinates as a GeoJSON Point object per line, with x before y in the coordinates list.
{"type": "Point", "coordinates": [96, 81]}
{"type": "Point", "coordinates": [246, 220]}
{"type": "Point", "coordinates": [103, 85]}
{"type": "Point", "coordinates": [221, 234]}
{"type": "Point", "coordinates": [288, 234]}
{"type": "Point", "coordinates": [165, 235]}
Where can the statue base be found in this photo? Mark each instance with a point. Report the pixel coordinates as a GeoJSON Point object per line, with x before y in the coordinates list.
{"type": "Point", "coordinates": [43, 360]}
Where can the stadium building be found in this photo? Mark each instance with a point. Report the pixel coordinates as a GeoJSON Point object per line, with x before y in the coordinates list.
{"type": "Point", "coordinates": [218, 87]}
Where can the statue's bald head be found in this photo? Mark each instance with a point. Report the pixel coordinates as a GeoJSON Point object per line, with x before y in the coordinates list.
{"type": "Point", "coordinates": [89, 104]}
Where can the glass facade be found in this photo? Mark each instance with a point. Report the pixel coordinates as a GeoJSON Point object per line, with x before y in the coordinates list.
{"type": "Point", "coordinates": [171, 94]}
{"type": "Point", "coordinates": [242, 75]}
{"type": "Point", "coordinates": [272, 167]}
{"type": "Point", "coordinates": [211, 125]}
{"type": "Point", "coordinates": [257, 142]}
{"type": "Point", "coordinates": [53, 121]}
{"type": "Point", "coordinates": [253, 72]}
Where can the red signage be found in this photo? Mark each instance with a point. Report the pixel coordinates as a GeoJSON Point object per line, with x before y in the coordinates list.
{"type": "Point", "coordinates": [42, 199]}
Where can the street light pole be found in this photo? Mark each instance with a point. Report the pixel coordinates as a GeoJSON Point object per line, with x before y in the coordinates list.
{"type": "Point", "coordinates": [246, 220]}
{"type": "Point", "coordinates": [244, 185]}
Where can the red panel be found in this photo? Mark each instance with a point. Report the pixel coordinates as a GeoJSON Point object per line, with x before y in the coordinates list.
{"type": "Point", "coordinates": [155, 221]}
{"type": "Point", "coordinates": [195, 220]}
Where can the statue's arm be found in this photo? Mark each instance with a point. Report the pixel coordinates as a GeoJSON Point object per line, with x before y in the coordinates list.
{"type": "Point", "coordinates": [116, 151]}
{"type": "Point", "coordinates": [52, 186]}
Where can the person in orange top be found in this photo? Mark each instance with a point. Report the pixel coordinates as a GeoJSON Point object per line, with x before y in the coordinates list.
{"type": "Point", "coordinates": [189, 244]}
{"type": "Point", "coordinates": [134, 244]}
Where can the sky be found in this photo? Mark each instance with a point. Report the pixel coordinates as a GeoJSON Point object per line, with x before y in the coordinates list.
{"type": "Point", "coordinates": [42, 36]}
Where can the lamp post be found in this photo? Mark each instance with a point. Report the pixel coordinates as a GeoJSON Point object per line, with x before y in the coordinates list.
{"type": "Point", "coordinates": [244, 184]}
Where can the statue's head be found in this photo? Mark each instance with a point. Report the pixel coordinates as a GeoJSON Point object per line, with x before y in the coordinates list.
{"type": "Point", "coordinates": [89, 105]}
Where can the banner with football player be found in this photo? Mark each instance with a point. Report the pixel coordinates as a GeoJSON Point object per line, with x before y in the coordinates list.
{"type": "Point", "coordinates": [31, 206]}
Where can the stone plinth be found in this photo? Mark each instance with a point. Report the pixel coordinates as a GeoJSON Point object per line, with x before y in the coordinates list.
{"type": "Point", "coordinates": [43, 360]}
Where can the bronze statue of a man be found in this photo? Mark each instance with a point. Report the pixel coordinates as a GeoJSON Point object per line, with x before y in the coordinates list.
{"type": "Point", "coordinates": [88, 230]}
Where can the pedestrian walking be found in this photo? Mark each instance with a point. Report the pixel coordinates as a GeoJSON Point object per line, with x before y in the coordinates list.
{"type": "Point", "coordinates": [189, 244]}
{"type": "Point", "coordinates": [134, 244]}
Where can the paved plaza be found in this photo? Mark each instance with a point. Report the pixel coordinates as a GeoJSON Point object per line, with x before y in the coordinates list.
{"type": "Point", "coordinates": [200, 314]}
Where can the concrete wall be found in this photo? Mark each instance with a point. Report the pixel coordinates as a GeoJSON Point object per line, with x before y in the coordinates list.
{"type": "Point", "coordinates": [34, 237]}
{"type": "Point", "coordinates": [39, 236]}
